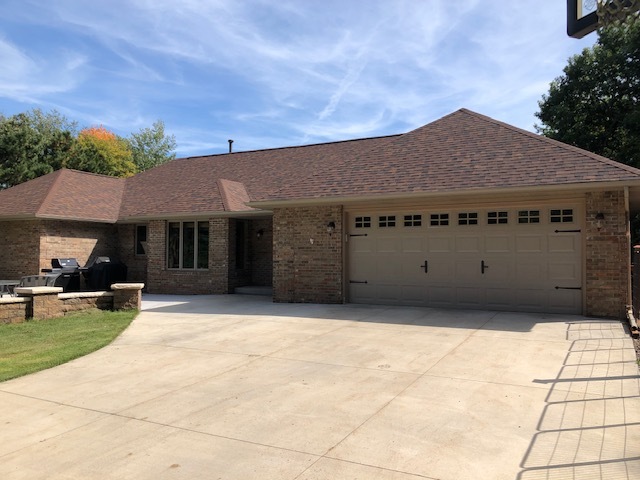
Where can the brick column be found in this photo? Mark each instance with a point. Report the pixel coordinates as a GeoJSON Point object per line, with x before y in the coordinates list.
{"type": "Point", "coordinates": [307, 259]}
{"type": "Point", "coordinates": [127, 296]}
{"type": "Point", "coordinates": [608, 254]}
{"type": "Point", "coordinates": [44, 301]}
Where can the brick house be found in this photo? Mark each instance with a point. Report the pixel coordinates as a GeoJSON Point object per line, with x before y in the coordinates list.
{"type": "Point", "coordinates": [464, 212]}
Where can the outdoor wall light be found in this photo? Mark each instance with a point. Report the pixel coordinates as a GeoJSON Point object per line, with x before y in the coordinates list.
{"type": "Point", "coordinates": [331, 227]}
{"type": "Point", "coordinates": [260, 233]}
{"type": "Point", "coordinates": [599, 219]}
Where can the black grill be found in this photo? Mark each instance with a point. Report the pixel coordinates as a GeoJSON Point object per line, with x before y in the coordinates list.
{"type": "Point", "coordinates": [103, 272]}
{"type": "Point", "coordinates": [65, 273]}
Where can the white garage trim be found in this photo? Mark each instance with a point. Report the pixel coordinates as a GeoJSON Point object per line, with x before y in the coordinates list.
{"type": "Point", "coordinates": [517, 258]}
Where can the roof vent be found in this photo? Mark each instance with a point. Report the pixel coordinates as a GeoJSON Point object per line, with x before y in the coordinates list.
{"type": "Point", "coordinates": [230, 145]}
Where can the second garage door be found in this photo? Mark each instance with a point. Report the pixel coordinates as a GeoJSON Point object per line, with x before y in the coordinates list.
{"type": "Point", "coordinates": [519, 259]}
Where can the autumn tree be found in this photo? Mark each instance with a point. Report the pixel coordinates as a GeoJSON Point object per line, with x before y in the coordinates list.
{"type": "Point", "coordinates": [152, 147]}
{"type": "Point", "coordinates": [98, 150]}
{"type": "Point", "coordinates": [595, 105]}
{"type": "Point", "coordinates": [32, 144]}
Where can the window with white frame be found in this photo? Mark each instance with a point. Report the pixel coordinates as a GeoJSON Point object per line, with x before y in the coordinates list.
{"type": "Point", "coordinates": [188, 245]}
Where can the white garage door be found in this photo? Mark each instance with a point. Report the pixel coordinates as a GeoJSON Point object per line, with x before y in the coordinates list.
{"type": "Point", "coordinates": [520, 259]}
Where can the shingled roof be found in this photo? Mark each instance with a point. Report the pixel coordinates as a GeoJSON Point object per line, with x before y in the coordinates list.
{"type": "Point", "coordinates": [67, 194]}
{"type": "Point", "coordinates": [190, 186]}
{"type": "Point", "coordinates": [461, 152]}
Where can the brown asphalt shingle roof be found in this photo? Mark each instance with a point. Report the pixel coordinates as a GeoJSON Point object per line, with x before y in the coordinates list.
{"type": "Point", "coordinates": [460, 152]}
{"type": "Point", "coordinates": [68, 194]}
{"type": "Point", "coordinates": [190, 185]}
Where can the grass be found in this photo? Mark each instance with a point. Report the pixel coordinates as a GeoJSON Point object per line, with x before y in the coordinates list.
{"type": "Point", "coordinates": [36, 345]}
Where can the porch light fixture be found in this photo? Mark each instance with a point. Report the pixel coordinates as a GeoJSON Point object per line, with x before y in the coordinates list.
{"type": "Point", "coordinates": [260, 233]}
{"type": "Point", "coordinates": [599, 219]}
{"type": "Point", "coordinates": [331, 227]}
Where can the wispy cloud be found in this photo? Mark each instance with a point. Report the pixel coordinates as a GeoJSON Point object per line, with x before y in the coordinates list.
{"type": "Point", "coordinates": [285, 71]}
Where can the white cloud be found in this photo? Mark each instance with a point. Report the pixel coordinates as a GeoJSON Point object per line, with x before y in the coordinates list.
{"type": "Point", "coordinates": [303, 71]}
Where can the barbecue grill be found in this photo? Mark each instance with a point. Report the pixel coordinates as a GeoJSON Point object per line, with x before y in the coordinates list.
{"type": "Point", "coordinates": [65, 273]}
{"type": "Point", "coordinates": [102, 272]}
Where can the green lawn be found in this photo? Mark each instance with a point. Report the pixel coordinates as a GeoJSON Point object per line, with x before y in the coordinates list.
{"type": "Point", "coordinates": [36, 345]}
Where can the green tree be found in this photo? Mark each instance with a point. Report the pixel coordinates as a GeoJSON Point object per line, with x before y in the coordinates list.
{"type": "Point", "coordinates": [32, 144]}
{"type": "Point", "coordinates": [152, 147]}
{"type": "Point", "coordinates": [98, 150]}
{"type": "Point", "coordinates": [595, 104]}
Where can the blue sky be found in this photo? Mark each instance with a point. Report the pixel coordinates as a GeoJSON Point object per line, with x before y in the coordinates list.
{"type": "Point", "coordinates": [277, 73]}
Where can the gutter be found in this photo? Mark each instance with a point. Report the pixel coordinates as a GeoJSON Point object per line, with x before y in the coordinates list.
{"type": "Point", "coordinates": [426, 195]}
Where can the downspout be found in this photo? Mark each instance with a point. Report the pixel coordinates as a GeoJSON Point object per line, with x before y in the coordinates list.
{"type": "Point", "coordinates": [633, 324]}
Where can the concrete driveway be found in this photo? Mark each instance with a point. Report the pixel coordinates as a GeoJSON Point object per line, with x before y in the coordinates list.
{"type": "Point", "coordinates": [236, 387]}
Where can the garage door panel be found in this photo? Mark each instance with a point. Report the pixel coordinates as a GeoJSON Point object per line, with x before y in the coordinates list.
{"type": "Point", "coordinates": [468, 271]}
{"type": "Point", "coordinates": [411, 244]}
{"type": "Point", "coordinates": [528, 272]}
{"type": "Point", "coordinates": [564, 271]}
{"type": "Point", "coordinates": [498, 270]}
{"type": "Point", "coordinates": [440, 244]}
{"type": "Point", "coordinates": [530, 243]}
{"type": "Point", "coordinates": [413, 295]}
{"type": "Point", "coordinates": [498, 244]}
{"type": "Point", "coordinates": [530, 300]}
{"type": "Point", "coordinates": [470, 297]}
{"type": "Point", "coordinates": [440, 270]}
{"type": "Point", "coordinates": [563, 243]}
{"type": "Point", "coordinates": [362, 268]}
{"type": "Point", "coordinates": [387, 245]}
{"type": "Point", "coordinates": [441, 296]}
{"type": "Point", "coordinates": [468, 244]}
{"type": "Point", "coordinates": [362, 245]}
{"type": "Point", "coordinates": [499, 298]}
{"type": "Point", "coordinates": [388, 293]}
{"type": "Point", "coordinates": [439, 264]}
{"type": "Point", "coordinates": [411, 272]}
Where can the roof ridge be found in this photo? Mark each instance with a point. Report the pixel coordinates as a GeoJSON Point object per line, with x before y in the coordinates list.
{"type": "Point", "coordinates": [290, 147]}
{"type": "Point", "coordinates": [57, 174]}
{"type": "Point", "coordinates": [552, 141]}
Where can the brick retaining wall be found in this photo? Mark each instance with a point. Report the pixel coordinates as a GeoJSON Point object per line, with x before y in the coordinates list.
{"type": "Point", "coordinates": [42, 303]}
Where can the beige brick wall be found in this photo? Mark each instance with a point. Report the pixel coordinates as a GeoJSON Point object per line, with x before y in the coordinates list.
{"type": "Point", "coordinates": [607, 255]}
{"type": "Point", "coordinates": [160, 279]}
{"type": "Point", "coordinates": [19, 248]}
{"type": "Point", "coordinates": [26, 247]}
{"type": "Point", "coordinates": [307, 261]}
{"type": "Point", "coordinates": [80, 240]}
{"type": "Point", "coordinates": [136, 264]}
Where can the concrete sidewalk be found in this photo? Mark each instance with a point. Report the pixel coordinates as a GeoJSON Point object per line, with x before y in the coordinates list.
{"type": "Point", "coordinates": [236, 387]}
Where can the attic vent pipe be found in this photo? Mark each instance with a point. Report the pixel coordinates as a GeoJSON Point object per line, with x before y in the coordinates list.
{"type": "Point", "coordinates": [230, 145]}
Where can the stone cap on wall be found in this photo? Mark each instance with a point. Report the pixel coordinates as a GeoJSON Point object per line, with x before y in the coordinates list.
{"type": "Point", "coordinates": [32, 291]}
{"type": "Point", "coordinates": [127, 286]}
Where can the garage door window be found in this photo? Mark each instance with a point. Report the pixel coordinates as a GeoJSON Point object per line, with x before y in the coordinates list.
{"type": "Point", "coordinates": [529, 216]}
{"type": "Point", "coordinates": [413, 220]}
{"type": "Point", "coordinates": [561, 216]}
{"type": "Point", "coordinates": [363, 222]}
{"type": "Point", "coordinates": [470, 218]}
{"type": "Point", "coordinates": [497, 218]}
{"type": "Point", "coordinates": [387, 221]}
{"type": "Point", "coordinates": [439, 219]}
